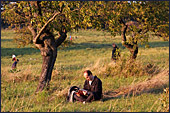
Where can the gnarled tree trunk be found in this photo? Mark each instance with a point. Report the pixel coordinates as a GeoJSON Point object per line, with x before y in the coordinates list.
{"type": "Point", "coordinates": [47, 44]}
{"type": "Point", "coordinates": [48, 47]}
{"type": "Point", "coordinates": [133, 48]}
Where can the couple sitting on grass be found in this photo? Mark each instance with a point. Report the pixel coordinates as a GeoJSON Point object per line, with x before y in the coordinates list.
{"type": "Point", "coordinates": [92, 89]}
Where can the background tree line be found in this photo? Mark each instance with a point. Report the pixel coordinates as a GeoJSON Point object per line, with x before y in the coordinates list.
{"type": "Point", "coordinates": [149, 17]}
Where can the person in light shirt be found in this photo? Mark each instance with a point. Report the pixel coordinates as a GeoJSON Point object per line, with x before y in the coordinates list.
{"type": "Point", "coordinates": [92, 88]}
{"type": "Point", "coordinates": [14, 65]}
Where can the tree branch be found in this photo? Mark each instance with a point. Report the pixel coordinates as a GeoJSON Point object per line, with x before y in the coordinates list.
{"type": "Point", "coordinates": [32, 30]}
{"type": "Point", "coordinates": [132, 48]}
{"type": "Point", "coordinates": [124, 28]}
{"type": "Point", "coordinates": [39, 8]}
{"type": "Point", "coordinates": [45, 25]}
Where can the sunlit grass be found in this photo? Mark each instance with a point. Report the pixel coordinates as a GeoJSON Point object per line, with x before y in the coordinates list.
{"type": "Point", "coordinates": [91, 49]}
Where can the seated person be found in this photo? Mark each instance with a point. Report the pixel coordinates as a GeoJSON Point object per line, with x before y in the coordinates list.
{"type": "Point", "coordinates": [92, 88]}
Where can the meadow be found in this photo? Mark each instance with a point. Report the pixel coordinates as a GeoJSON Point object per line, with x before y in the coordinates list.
{"type": "Point", "coordinates": [91, 49]}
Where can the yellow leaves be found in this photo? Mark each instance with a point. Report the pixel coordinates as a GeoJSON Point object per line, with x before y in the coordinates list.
{"type": "Point", "coordinates": [97, 13]}
{"type": "Point", "coordinates": [100, 2]}
{"type": "Point", "coordinates": [32, 21]}
{"type": "Point", "coordinates": [66, 9]}
{"type": "Point", "coordinates": [130, 13]}
{"type": "Point", "coordinates": [123, 42]}
{"type": "Point", "coordinates": [60, 4]}
{"type": "Point", "coordinates": [142, 12]}
{"type": "Point", "coordinates": [163, 25]}
{"type": "Point", "coordinates": [110, 21]}
{"type": "Point", "coordinates": [89, 24]}
{"type": "Point", "coordinates": [39, 25]}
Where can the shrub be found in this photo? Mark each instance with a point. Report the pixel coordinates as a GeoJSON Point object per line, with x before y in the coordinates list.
{"type": "Point", "coordinates": [124, 67]}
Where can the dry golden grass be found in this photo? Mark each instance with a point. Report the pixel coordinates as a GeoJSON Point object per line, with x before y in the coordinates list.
{"type": "Point", "coordinates": [159, 79]}
{"type": "Point", "coordinates": [156, 82]}
{"type": "Point", "coordinates": [18, 75]}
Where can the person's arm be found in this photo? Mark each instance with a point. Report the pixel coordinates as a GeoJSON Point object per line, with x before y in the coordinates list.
{"type": "Point", "coordinates": [98, 88]}
{"type": "Point", "coordinates": [85, 85]}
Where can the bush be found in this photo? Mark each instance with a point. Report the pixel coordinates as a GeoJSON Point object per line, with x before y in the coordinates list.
{"type": "Point", "coordinates": [124, 67]}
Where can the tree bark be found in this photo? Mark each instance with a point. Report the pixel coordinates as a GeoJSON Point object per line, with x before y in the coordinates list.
{"type": "Point", "coordinates": [48, 47]}
{"type": "Point", "coordinates": [133, 48]}
{"type": "Point", "coordinates": [45, 25]}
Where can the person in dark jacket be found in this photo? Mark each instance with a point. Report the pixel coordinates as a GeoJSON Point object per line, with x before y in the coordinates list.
{"type": "Point", "coordinates": [115, 52]}
{"type": "Point", "coordinates": [92, 88]}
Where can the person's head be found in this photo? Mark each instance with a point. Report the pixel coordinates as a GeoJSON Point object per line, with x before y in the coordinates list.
{"type": "Point", "coordinates": [113, 45]}
{"type": "Point", "coordinates": [88, 75]}
{"type": "Point", "coordinates": [13, 57]}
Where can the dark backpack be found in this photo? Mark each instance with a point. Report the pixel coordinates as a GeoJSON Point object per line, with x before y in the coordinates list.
{"type": "Point", "coordinates": [70, 94]}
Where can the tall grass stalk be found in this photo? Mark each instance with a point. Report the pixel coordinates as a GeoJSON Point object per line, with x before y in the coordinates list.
{"type": "Point", "coordinates": [150, 110]}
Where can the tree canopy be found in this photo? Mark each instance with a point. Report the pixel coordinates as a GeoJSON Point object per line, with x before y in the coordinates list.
{"type": "Point", "coordinates": [149, 17]}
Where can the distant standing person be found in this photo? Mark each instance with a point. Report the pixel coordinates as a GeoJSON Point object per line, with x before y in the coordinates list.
{"type": "Point", "coordinates": [115, 52]}
{"type": "Point", "coordinates": [92, 88]}
{"type": "Point", "coordinates": [70, 38]}
{"type": "Point", "coordinates": [15, 62]}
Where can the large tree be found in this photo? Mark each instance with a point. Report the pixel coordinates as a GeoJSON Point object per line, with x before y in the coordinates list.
{"type": "Point", "coordinates": [138, 19]}
{"type": "Point", "coordinates": [37, 21]}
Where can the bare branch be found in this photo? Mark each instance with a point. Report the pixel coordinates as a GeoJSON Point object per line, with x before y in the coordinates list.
{"type": "Point", "coordinates": [124, 28]}
{"type": "Point", "coordinates": [132, 48]}
{"type": "Point", "coordinates": [39, 8]}
{"type": "Point", "coordinates": [32, 30]}
{"type": "Point", "coordinates": [45, 25]}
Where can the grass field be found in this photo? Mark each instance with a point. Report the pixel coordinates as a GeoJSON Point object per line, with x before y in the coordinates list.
{"type": "Point", "coordinates": [90, 50]}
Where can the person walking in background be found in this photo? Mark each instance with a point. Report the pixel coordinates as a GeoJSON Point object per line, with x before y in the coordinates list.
{"type": "Point", "coordinates": [70, 38]}
{"type": "Point", "coordinates": [14, 65]}
{"type": "Point", "coordinates": [115, 52]}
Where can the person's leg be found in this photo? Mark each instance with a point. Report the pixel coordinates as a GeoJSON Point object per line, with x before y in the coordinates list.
{"type": "Point", "coordinates": [79, 98]}
{"type": "Point", "coordinates": [90, 97]}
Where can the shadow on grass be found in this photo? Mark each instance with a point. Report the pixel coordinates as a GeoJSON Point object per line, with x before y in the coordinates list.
{"type": "Point", "coordinates": [159, 44]}
{"type": "Point", "coordinates": [6, 40]}
{"type": "Point", "coordinates": [156, 44]}
{"type": "Point", "coordinates": [80, 46]}
{"type": "Point", "coordinates": [23, 51]}
{"type": "Point", "coordinates": [153, 91]}
{"type": "Point", "coordinates": [91, 46]}
{"type": "Point", "coordinates": [18, 51]}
